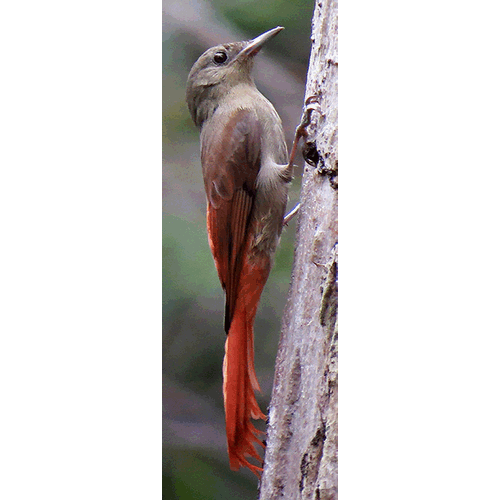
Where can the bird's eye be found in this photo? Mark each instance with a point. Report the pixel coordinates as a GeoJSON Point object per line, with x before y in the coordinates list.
{"type": "Point", "coordinates": [220, 57]}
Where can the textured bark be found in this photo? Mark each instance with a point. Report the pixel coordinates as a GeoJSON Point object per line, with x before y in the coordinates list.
{"type": "Point", "coordinates": [301, 454]}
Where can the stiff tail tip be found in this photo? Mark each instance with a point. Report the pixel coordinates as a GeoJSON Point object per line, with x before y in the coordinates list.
{"type": "Point", "coordinates": [243, 446]}
{"type": "Point", "coordinates": [239, 399]}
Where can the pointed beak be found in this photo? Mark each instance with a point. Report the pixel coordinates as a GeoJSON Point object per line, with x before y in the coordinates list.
{"type": "Point", "coordinates": [256, 44]}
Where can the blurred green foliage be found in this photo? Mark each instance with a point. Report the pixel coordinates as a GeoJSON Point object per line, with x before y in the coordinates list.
{"type": "Point", "coordinates": [188, 268]}
{"type": "Point", "coordinates": [257, 16]}
{"type": "Point", "coordinates": [201, 477]}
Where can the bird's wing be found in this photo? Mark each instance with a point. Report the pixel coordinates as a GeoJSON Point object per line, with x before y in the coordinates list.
{"type": "Point", "coordinates": [230, 157]}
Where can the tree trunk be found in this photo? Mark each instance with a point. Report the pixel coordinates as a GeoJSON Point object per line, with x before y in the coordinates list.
{"type": "Point", "coordinates": [301, 454]}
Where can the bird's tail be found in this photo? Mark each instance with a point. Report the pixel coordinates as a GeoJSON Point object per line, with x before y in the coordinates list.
{"type": "Point", "coordinates": [240, 380]}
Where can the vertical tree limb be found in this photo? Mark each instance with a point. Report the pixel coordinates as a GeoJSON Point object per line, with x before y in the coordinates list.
{"type": "Point", "coordinates": [301, 454]}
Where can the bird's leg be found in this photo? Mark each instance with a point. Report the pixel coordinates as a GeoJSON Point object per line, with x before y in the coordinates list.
{"type": "Point", "coordinates": [311, 105]}
{"type": "Point", "coordinates": [291, 215]}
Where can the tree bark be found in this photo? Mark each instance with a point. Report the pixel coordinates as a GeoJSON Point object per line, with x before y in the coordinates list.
{"type": "Point", "coordinates": [301, 454]}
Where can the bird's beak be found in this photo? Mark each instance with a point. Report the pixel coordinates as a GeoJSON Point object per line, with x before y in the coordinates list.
{"type": "Point", "coordinates": [256, 44]}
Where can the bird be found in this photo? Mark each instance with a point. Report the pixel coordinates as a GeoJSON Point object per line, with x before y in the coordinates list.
{"type": "Point", "coordinates": [246, 176]}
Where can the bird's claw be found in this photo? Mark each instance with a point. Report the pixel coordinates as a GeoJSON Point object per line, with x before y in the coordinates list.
{"type": "Point", "coordinates": [311, 104]}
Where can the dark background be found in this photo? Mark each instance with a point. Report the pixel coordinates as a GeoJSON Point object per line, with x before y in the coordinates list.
{"type": "Point", "coordinates": [195, 463]}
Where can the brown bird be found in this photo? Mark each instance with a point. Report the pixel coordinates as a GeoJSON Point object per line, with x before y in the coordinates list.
{"type": "Point", "coordinates": [246, 176]}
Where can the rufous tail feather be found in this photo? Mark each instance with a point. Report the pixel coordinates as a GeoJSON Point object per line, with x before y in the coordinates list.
{"type": "Point", "coordinates": [240, 380]}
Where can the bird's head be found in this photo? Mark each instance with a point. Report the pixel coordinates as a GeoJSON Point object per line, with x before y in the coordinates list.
{"type": "Point", "coordinates": [219, 69]}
